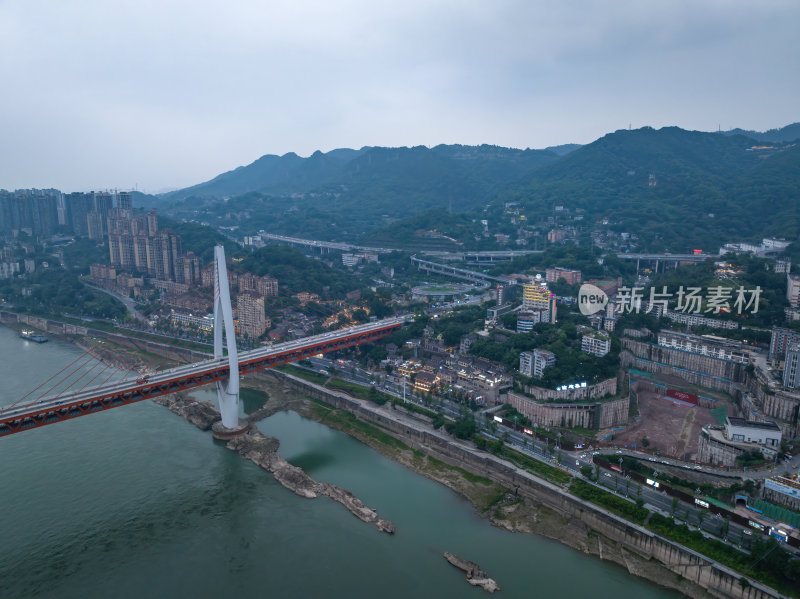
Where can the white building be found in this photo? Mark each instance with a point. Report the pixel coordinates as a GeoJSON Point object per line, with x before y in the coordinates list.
{"type": "Point", "coordinates": [533, 363]}
{"type": "Point", "coordinates": [526, 319]}
{"type": "Point", "coordinates": [791, 366]}
{"type": "Point", "coordinates": [350, 259]}
{"type": "Point", "coordinates": [707, 345]}
{"type": "Point", "coordinates": [783, 266]}
{"type": "Point", "coordinates": [740, 430]}
{"type": "Point", "coordinates": [597, 344]}
{"type": "Point", "coordinates": [774, 245]}
{"type": "Point", "coordinates": [793, 290]}
{"type": "Point", "coordinates": [696, 320]}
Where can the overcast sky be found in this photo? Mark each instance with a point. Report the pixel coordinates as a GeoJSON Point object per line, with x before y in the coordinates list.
{"type": "Point", "coordinates": [165, 94]}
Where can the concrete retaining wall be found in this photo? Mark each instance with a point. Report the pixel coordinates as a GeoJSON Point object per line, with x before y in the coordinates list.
{"type": "Point", "coordinates": [717, 579]}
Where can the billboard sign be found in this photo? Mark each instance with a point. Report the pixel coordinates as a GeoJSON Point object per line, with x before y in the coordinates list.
{"type": "Point", "coordinates": [782, 488]}
{"type": "Point", "coordinates": [681, 397]}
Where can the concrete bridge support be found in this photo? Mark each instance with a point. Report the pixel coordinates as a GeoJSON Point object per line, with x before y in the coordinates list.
{"type": "Point", "coordinates": [227, 391]}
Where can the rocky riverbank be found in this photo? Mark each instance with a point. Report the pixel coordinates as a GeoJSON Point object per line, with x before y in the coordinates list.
{"type": "Point", "coordinates": [521, 516]}
{"type": "Point", "coordinates": [475, 576]}
{"type": "Point", "coordinates": [261, 450]}
{"type": "Point", "coordinates": [499, 505]}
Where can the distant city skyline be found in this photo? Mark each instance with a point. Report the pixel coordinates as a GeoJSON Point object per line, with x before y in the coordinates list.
{"type": "Point", "coordinates": [128, 95]}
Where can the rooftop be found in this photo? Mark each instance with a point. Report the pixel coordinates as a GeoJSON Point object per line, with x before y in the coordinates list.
{"type": "Point", "coordinates": [734, 421]}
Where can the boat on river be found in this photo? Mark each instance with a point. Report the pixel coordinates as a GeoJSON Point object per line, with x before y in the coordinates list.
{"type": "Point", "coordinates": [32, 336]}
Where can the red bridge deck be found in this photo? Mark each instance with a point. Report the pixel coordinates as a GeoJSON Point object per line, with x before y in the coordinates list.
{"type": "Point", "coordinates": [124, 392]}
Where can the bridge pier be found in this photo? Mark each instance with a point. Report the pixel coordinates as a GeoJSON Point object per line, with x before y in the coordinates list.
{"type": "Point", "coordinates": [227, 391]}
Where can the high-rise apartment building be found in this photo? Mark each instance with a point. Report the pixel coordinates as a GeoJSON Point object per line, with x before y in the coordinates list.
{"type": "Point", "coordinates": [793, 290]}
{"type": "Point", "coordinates": [536, 296]}
{"type": "Point", "coordinates": [250, 314]}
{"type": "Point", "coordinates": [780, 340]}
{"type": "Point", "coordinates": [791, 366]}
{"type": "Point", "coordinates": [136, 244]}
{"type": "Point", "coordinates": [34, 209]}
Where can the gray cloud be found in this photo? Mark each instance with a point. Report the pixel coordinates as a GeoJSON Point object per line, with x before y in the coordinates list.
{"type": "Point", "coordinates": [165, 94]}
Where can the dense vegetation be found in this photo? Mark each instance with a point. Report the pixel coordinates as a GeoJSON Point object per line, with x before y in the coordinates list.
{"type": "Point", "coordinates": [767, 561]}
{"type": "Point", "coordinates": [201, 239]}
{"type": "Point", "coordinates": [344, 193]}
{"type": "Point", "coordinates": [709, 189]}
{"type": "Point", "coordinates": [622, 507]}
{"type": "Point", "coordinates": [295, 272]}
{"type": "Point", "coordinates": [754, 272]}
{"type": "Point", "coordinates": [59, 292]}
{"type": "Point", "coordinates": [564, 340]}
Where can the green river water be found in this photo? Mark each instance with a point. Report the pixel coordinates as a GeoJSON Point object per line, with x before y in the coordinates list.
{"type": "Point", "coordinates": [135, 502]}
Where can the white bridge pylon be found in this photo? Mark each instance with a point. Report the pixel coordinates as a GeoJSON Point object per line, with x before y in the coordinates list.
{"type": "Point", "coordinates": [227, 391]}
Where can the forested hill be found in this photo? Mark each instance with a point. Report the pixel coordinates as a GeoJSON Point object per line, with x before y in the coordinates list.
{"type": "Point", "coordinates": [342, 194]}
{"type": "Point", "coordinates": [271, 174]}
{"type": "Point", "coordinates": [675, 189]}
{"type": "Point", "coordinates": [706, 188]}
{"type": "Point", "coordinates": [457, 169]}
{"type": "Point", "coordinates": [785, 134]}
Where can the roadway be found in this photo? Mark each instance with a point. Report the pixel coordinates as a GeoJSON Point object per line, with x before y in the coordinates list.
{"type": "Point", "coordinates": [666, 257]}
{"type": "Point", "coordinates": [458, 273]}
{"type": "Point", "coordinates": [658, 501]}
{"type": "Point", "coordinates": [75, 403]}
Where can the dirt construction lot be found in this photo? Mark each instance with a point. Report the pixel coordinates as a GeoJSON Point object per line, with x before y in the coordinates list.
{"type": "Point", "coordinates": [671, 429]}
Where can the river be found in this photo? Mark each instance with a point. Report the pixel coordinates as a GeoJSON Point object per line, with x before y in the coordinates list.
{"type": "Point", "coordinates": [136, 502]}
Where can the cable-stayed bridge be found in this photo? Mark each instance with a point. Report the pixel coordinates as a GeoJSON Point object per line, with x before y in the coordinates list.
{"type": "Point", "coordinates": [124, 392]}
{"type": "Point", "coordinates": [222, 370]}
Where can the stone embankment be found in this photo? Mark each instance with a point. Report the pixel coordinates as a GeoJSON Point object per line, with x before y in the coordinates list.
{"type": "Point", "coordinates": [475, 576]}
{"type": "Point", "coordinates": [261, 450]}
{"type": "Point", "coordinates": [641, 551]}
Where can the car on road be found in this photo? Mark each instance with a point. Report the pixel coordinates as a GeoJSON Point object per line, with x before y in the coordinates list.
{"type": "Point", "coordinates": [606, 474]}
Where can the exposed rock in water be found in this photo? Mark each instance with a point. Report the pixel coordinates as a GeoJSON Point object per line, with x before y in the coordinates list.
{"type": "Point", "coordinates": [200, 413]}
{"type": "Point", "coordinates": [348, 500]}
{"type": "Point", "coordinates": [261, 450]}
{"type": "Point", "coordinates": [385, 526]}
{"type": "Point", "coordinates": [475, 576]}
